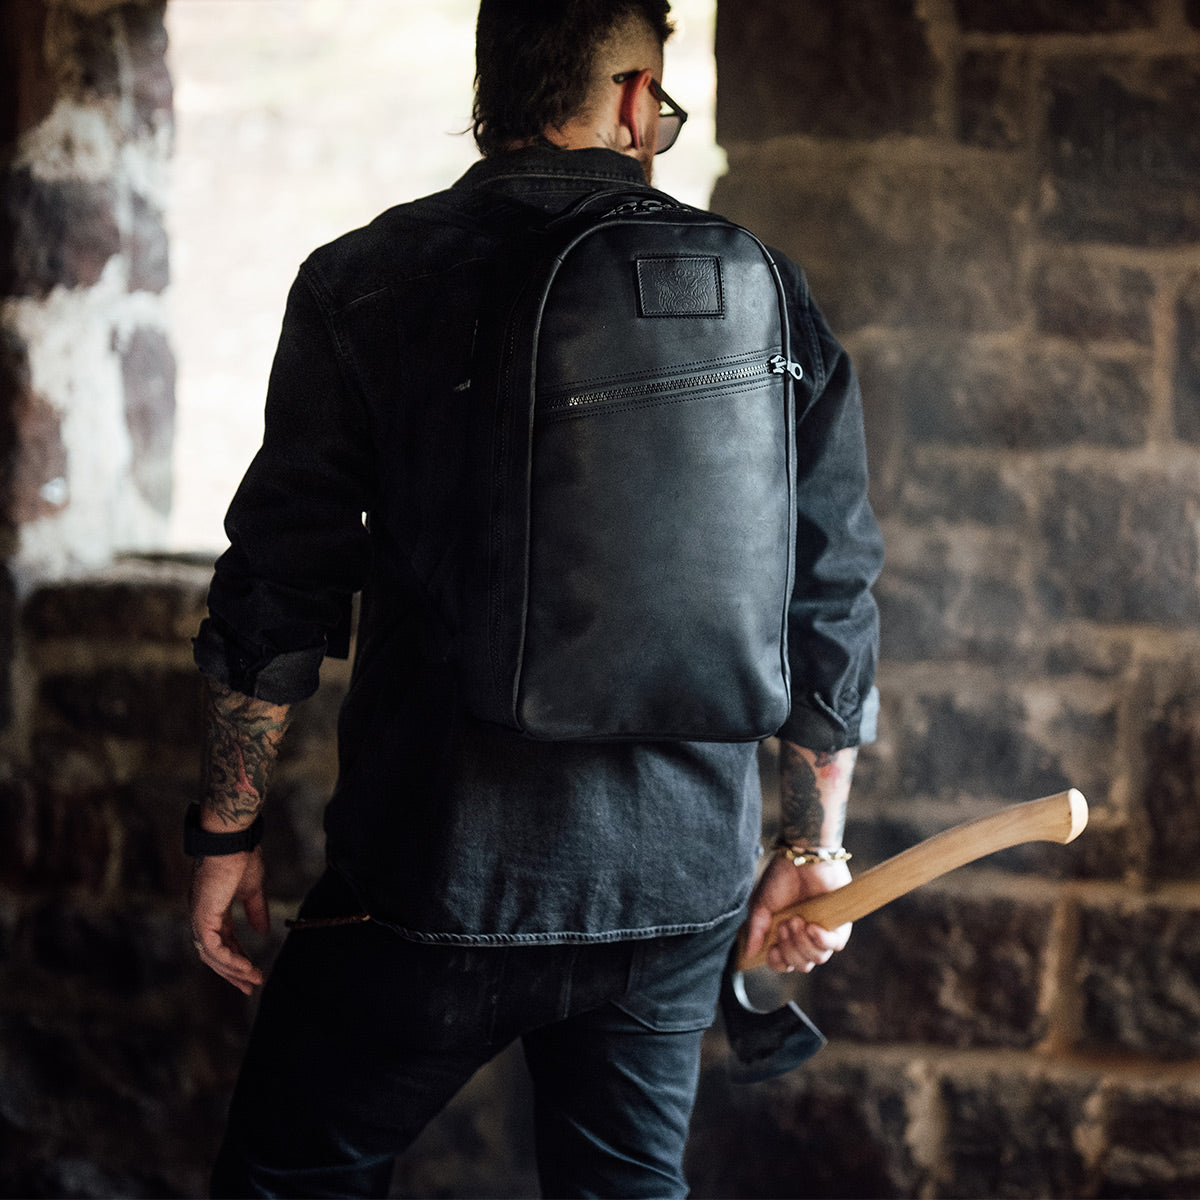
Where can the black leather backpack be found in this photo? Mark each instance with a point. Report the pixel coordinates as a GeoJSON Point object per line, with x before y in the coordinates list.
{"type": "Point", "coordinates": [630, 558]}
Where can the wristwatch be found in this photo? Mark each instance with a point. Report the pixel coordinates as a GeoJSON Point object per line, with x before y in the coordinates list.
{"type": "Point", "coordinates": [198, 842]}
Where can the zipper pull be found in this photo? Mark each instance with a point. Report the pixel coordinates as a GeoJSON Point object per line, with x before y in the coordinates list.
{"type": "Point", "coordinates": [778, 365]}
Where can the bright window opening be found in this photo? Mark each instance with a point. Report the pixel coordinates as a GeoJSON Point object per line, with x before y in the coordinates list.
{"type": "Point", "coordinates": [297, 120]}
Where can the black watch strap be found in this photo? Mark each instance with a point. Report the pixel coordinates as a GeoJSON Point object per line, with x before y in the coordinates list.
{"type": "Point", "coordinates": [198, 842]}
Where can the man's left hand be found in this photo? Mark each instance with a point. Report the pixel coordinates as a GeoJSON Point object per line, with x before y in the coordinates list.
{"type": "Point", "coordinates": [218, 884]}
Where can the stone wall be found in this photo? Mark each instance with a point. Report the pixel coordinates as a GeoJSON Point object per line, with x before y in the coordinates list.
{"type": "Point", "coordinates": [86, 369]}
{"type": "Point", "coordinates": [997, 207]}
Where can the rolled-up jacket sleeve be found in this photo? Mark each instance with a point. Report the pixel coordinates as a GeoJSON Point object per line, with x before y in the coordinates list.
{"type": "Point", "coordinates": [833, 633]}
{"type": "Point", "coordinates": [281, 594]}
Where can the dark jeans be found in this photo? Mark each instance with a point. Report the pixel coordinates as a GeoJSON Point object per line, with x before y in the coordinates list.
{"type": "Point", "coordinates": [362, 1037]}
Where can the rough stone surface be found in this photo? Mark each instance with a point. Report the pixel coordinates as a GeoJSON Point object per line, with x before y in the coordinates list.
{"type": "Point", "coordinates": [57, 840]}
{"type": "Point", "coordinates": [1050, 16]}
{"type": "Point", "coordinates": [1094, 302]}
{"type": "Point", "coordinates": [1186, 396]}
{"type": "Point", "coordinates": [146, 246]}
{"type": "Point", "coordinates": [144, 602]}
{"type": "Point", "coordinates": [128, 702]}
{"type": "Point", "coordinates": [979, 746]}
{"type": "Point", "coordinates": [146, 37]}
{"type": "Point", "coordinates": [931, 611]}
{"type": "Point", "coordinates": [993, 99]}
{"type": "Point", "coordinates": [1167, 800]}
{"type": "Point", "coordinates": [62, 233]}
{"type": "Point", "coordinates": [1120, 550]}
{"type": "Point", "coordinates": [40, 467]}
{"type": "Point", "coordinates": [1155, 1144]}
{"type": "Point", "coordinates": [830, 1135]}
{"type": "Point", "coordinates": [945, 968]}
{"type": "Point", "coordinates": [26, 92]}
{"type": "Point", "coordinates": [1039, 398]}
{"type": "Point", "coordinates": [853, 69]}
{"type": "Point", "coordinates": [1013, 1135]}
{"type": "Point", "coordinates": [148, 369]}
{"type": "Point", "coordinates": [125, 952]}
{"type": "Point", "coordinates": [1139, 973]}
{"type": "Point", "coordinates": [1123, 143]}
{"type": "Point", "coordinates": [83, 245]}
{"type": "Point", "coordinates": [891, 240]}
{"type": "Point", "coordinates": [954, 492]}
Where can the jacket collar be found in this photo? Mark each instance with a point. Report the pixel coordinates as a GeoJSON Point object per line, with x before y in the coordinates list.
{"type": "Point", "coordinates": [592, 165]}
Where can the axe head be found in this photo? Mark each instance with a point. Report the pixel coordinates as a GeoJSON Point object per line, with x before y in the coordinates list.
{"type": "Point", "coordinates": [764, 1043]}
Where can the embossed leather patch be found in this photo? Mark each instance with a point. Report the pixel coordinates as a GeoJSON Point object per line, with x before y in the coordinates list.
{"type": "Point", "coordinates": [680, 286]}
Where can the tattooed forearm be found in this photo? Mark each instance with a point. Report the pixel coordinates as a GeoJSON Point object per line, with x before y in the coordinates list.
{"type": "Point", "coordinates": [814, 789]}
{"type": "Point", "coordinates": [242, 738]}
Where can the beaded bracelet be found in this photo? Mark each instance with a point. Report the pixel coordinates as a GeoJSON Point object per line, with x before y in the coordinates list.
{"type": "Point", "coordinates": [803, 856]}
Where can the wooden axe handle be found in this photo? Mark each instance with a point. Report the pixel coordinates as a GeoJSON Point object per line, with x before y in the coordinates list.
{"type": "Point", "coordinates": [1057, 818]}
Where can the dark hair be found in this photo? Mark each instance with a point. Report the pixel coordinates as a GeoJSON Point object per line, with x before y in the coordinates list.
{"type": "Point", "coordinates": [533, 61]}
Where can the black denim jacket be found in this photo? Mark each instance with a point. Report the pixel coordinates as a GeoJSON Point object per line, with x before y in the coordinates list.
{"type": "Point", "coordinates": [446, 828]}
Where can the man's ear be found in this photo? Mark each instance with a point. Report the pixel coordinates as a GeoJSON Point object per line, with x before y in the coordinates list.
{"type": "Point", "coordinates": [631, 96]}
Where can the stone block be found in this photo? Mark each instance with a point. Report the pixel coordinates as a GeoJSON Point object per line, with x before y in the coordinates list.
{"type": "Point", "coordinates": [993, 99]}
{"type": "Point", "coordinates": [134, 601]}
{"type": "Point", "coordinates": [76, 1085]}
{"type": "Point", "coordinates": [124, 951]}
{"type": "Point", "coordinates": [1153, 1143]}
{"type": "Point", "coordinates": [1090, 301]}
{"type": "Point", "coordinates": [1052, 16]}
{"type": "Point", "coordinates": [943, 966]}
{"type": "Point", "coordinates": [1068, 652]}
{"type": "Point", "coordinates": [912, 614]}
{"type": "Point", "coordinates": [148, 371]}
{"type": "Point", "coordinates": [49, 839]}
{"type": "Point", "coordinates": [1138, 970]}
{"type": "Point", "coordinates": [889, 238]}
{"type": "Point", "coordinates": [152, 858]}
{"type": "Point", "coordinates": [146, 39]}
{"type": "Point", "coordinates": [86, 54]}
{"type": "Point", "coordinates": [58, 233]}
{"type": "Point", "coordinates": [157, 705]}
{"type": "Point", "coordinates": [1186, 380]}
{"type": "Point", "coordinates": [27, 90]}
{"type": "Point", "coordinates": [1036, 398]}
{"type": "Point", "coordinates": [1123, 151]}
{"type": "Point", "coordinates": [8, 621]}
{"type": "Point", "coordinates": [40, 467]}
{"type": "Point", "coordinates": [1013, 1134]}
{"type": "Point", "coordinates": [30, 439]}
{"type": "Point", "coordinates": [116, 51]}
{"type": "Point", "coordinates": [954, 492]}
{"type": "Point", "coordinates": [1120, 549]}
{"type": "Point", "coordinates": [877, 365]}
{"type": "Point", "coordinates": [980, 745]}
{"type": "Point", "coordinates": [850, 70]}
{"type": "Point", "coordinates": [829, 1129]}
{"type": "Point", "coordinates": [934, 612]}
{"type": "Point", "coordinates": [146, 247]}
{"type": "Point", "coordinates": [1167, 803]}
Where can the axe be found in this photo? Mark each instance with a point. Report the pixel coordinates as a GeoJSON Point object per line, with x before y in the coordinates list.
{"type": "Point", "coordinates": [766, 1044]}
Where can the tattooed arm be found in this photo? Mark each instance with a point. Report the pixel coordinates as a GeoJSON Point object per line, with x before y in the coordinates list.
{"type": "Point", "coordinates": [242, 737]}
{"type": "Point", "coordinates": [813, 791]}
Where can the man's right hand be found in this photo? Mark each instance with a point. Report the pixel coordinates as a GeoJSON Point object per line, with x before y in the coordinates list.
{"type": "Point", "coordinates": [218, 884]}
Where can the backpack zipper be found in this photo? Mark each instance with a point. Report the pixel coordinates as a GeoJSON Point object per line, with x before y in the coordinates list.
{"type": "Point", "coordinates": [776, 364]}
